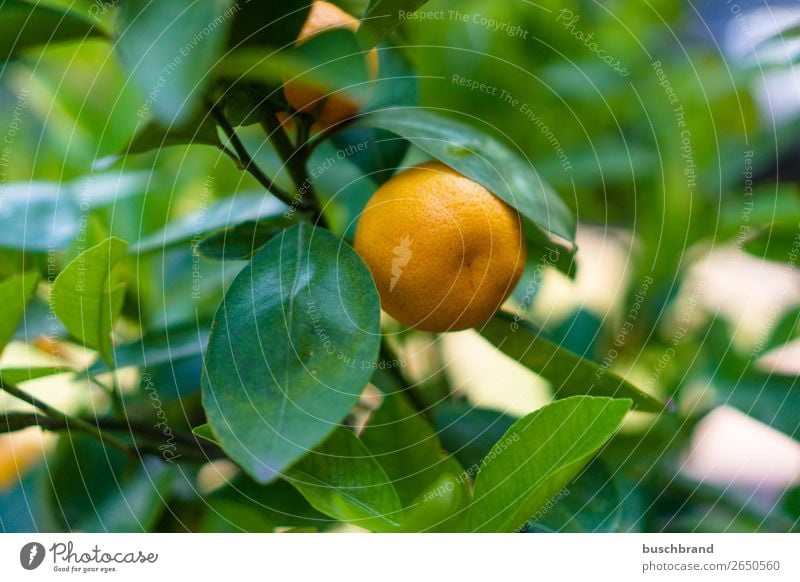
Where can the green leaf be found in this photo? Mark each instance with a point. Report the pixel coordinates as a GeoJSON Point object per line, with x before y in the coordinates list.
{"type": "Point", "coordinates": [158, 348]}
{"type": "Point", "coordinates": [541, 453]}
{"type": "Point", "coordinates": [469, 432]}
{"type": "Point", "coordinates": [591, 503]}
{"type": "Point", "coordinates": [274, 24]}
{"type": "Point", "coordinates": [153, 136]}
{"type": "Point", "coordinates": [204, 431]}
{"type": "Point", "coordinates": [290, 349]}
{"type": "Point", "coordinates": [341, 479]}
{"type": "Point", "coordinates": [170, 49]}
{"type": "Point", "coordinates": [134, 505]}
{"type": "Point", "coordinates": [24, 25]}
{"type": "Point", "coordinates": [241, 241]}
{"type": "Point", "coordinates": [244, 505]}
{"type": "Point", "coordinates": [383, 16]}
{"type": "Point", "coordinates": [331, 62]}
{"type": "Point", "coordinates": [20, 375]}
{"type": "Point", "coordinates": [779, 242]}
{"type": "Point", "coordinates": [83, 298]}
{"type": "Point", "coordinates": [406, 447]}
{"type": "Point", "coordinates": [482, 158]}
{"type": "Point", "coordinates": [231, 211]}
{"type": "Point", "coordinates": [570, 374]}
{"type": "Point", "coordinates": [15, 293]}
{"type": "Point", "coordinates": [39, 217]}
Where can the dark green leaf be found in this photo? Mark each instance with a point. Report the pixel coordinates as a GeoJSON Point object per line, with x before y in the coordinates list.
{"type": "Point", "coordinates": [15, 294]}
{"type": "Point", "coordinates": [332, 62]}
{"type": "Point", "coordinates": [591, 503]}
{"type": "Point", "coordinates": [341, 479]}
{"type": "Point", "coordinates": [135, 505]}
{"type": "Point", "coordinates": [406, 447]}
{"type": "Point", "coordinates": [569, 373]}
{"type": "Point", "coordinates": [170, 49]}
{"type": "Point", "coordinates": [468, 432]}
{"type": "Point", "coordinates": [245, 506]}
{"type": "Point", "coordinates": [241, 241]}
{"type": "Point", "coordinates": [274, 24]}
{"type": "Point", "coordinates": [780, 242]}
{"type": "Point", "coordinates": [84, 299]}
{"type": "Point", "coordinates": [171, 345]}
{"type": "Point", "coordinates": [383, 16]}
{"type": "Point", "coordinates": [482, 158]}
{"type": "Point", "coordinates": [24, 25]}
{"type": "Point", "coordinates": [540, 454]}
{"type": "Point", "coordinates": [290, 349]}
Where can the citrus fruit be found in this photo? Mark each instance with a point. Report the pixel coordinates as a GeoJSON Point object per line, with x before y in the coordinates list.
{"type": "Point", "coordinates": [444, 251]}
{"type": "Point", "coordinates": [303, 97]}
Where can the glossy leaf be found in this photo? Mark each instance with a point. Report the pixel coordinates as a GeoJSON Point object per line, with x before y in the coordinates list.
{"type": "Point", "coordinates": [289, 349]}
{"type": "Point", "coordinates": [341, 479]}
{"type": "Point", "coordinates": [15, 293]}
{"type": "Point", "coordinates": [541, 453]}
{"type": "Point", "coordinates": [482, 158]}
{"type": "Point", "coordinates": [569, 373]}
{"type": "Point", "coordinates": [84, 298]}
{"type": "Point", "coordinates": [383, 16]}
{"type": "Point", "coordinates": [24, 25]}
{"type": "Point", "coordinates": [169, 50]}
{"type": "Point", "coordinates": [19, 375]}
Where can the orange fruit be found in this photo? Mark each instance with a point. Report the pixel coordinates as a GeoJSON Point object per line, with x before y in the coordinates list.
{"type": "Point", "coordinates": [302, 97]}
{"type": "Point", "coordinates": [444, 251]}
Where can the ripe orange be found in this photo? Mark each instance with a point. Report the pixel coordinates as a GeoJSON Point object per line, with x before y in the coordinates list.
{"type": "Point", "coordinates": [444, 251]}
{"type": "Point", "coordinates": [302, 97]}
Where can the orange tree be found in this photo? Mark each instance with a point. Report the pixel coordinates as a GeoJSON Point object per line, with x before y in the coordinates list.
{"type": "Point", "coordinates": [263, 363]}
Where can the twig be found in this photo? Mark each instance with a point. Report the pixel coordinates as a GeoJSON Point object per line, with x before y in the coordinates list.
{"type": "Point", "coordinates": [244, 159]}
{"type": "Point", "coordinates": [70, 421]}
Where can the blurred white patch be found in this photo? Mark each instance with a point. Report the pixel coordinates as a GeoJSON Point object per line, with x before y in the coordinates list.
{"type": "Point", "coordinates": [489, 378]}
{"type": "Point", "coordinates": [601, 283]}
{"type": "Point", "coordinates": [730, 448]}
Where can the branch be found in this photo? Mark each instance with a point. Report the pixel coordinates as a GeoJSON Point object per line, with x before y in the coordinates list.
{"type": "Point", "coordinates": [244, 159]}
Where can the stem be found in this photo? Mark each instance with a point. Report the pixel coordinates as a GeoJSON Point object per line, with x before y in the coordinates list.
{"type": "Point", "coordinates": [244, 159]}
{"type": "Point", "coordinates": [14, 421]}
{"type": "Point", "coordinates": [69, 421]}
{"type": "Point", "coordinates": [416, 401]}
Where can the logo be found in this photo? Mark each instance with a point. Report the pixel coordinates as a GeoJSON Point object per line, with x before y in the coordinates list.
{"type": "Point", "coordinates": [402, 255]}
{"type": "Point", "coordinates": [31, 555]}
